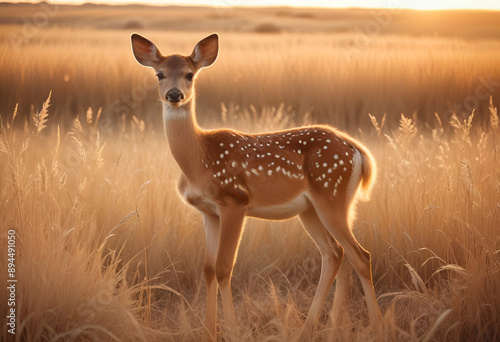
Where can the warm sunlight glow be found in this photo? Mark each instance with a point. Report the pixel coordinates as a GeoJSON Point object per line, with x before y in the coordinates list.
{"type": "Point", "coordinates": [409, 4]}
{"type": "Point", "coordinates": [434, 5]}
{"type": "Point", "coordinates": [137, 137]}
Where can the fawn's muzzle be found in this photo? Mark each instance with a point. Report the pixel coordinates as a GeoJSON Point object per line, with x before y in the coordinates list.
{"type": "Point", "coordinates": [174, 95]}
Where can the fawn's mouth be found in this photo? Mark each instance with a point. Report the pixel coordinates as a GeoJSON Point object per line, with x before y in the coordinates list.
{"type": "Point", "coordinates": [174, 103]}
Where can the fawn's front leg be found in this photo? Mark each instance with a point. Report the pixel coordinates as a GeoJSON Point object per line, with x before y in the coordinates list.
{"type": "Point", "coordinates": [212, 232]}
{"type": "Point", "coordinates": [231, 226]}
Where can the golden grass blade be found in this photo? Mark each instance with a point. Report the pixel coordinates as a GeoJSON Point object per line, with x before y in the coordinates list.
{"type": "Point", "coordinates": [455, 268]}
{"type": "Point", "coordinates": [417, 280]}
{"type": "Point", "coordinates": [89, 115]}
{"type": "Point", "coordinates": [440, 123]}
{"type": "Point", "coordinates": [98, 116]}
{"type": "Point", "coordinates": [3, 146]}
{"type": "Point", "coordinates": [373, 119]}
{"type": "Point", "coordinates": [40, 118]}
{"type": "Point", "coordinates": [98, 158]}
{"type": "Point", "coordinates": [15, 114]}
{"type": "Point", "coordinates": [436, 324]}
{"type": "Point", "coordinates": [493, 114]}
{"type": "Point", "coordinates": [77, 125]}
{"type": "Point", "coordinates": [55, 154]}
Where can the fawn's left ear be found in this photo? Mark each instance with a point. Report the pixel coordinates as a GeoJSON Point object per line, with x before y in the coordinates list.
{"type": "Point", "coordinates": [206, 51]}
{"type": "Point", "coordinates": [145, 52]}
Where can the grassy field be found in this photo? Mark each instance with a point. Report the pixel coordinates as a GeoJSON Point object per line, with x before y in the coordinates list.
{"type": "Point", "coordinates": [107, 251]}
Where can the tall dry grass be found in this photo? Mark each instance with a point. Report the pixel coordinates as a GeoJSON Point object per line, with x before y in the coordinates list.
{"type": "Point", "coordinates": [108, 252]}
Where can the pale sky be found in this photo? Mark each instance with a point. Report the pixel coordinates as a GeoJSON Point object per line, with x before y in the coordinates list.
{"type": "Point", "coordinates": [415, 4]}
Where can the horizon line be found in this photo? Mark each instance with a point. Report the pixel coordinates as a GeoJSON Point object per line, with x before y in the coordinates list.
{"type": "Point", "coordinates": [221, 3]}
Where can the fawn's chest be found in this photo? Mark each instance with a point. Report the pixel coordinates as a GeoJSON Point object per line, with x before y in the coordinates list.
{"type": "Point", "coordinates": [195, 197]}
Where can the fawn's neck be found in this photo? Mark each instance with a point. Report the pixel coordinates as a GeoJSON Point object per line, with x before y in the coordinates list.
{"type": "Point", "coordinates": [184, 138]}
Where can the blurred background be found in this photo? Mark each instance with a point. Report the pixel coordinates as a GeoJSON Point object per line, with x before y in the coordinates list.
{"type": "Point", "coordinates": [336, 64]}
{"type": "Point", "coordinates": [107, 250]}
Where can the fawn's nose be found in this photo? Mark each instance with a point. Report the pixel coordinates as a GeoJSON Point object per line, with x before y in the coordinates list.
{"type": "Point", "coordinates": [174, 95]}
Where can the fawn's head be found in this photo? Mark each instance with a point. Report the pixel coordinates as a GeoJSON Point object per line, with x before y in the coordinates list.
{"type": "Point", "coordinates": [176, 73]}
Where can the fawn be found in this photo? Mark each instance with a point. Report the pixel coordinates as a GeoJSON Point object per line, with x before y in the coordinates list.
{"type": "Point", "coordinates": [316, 172]}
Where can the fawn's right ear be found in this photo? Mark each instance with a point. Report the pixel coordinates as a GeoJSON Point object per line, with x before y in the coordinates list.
{"type": "Point", "coordinates": [145, 52]}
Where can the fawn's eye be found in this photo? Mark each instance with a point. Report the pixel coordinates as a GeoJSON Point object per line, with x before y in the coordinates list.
{"type": "Point", "coordinates": [189, 76]}
{"type": "Point", "coordinates": [160, 76]}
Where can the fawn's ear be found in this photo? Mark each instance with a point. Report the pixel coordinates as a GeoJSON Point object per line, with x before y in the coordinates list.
{"type": "Point", "coordinates": [206, 51]}
{"type": "Point", "coordinates": [145, 52]}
